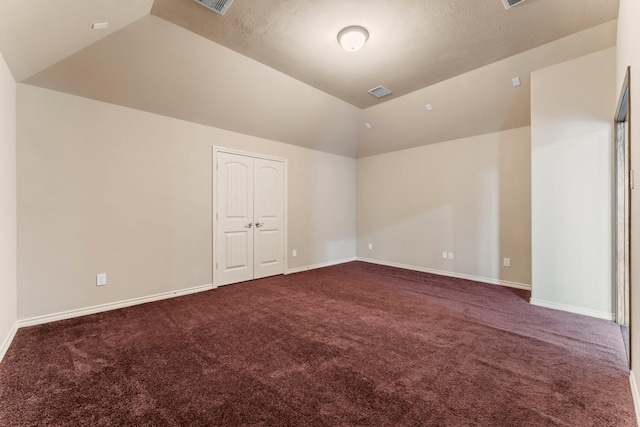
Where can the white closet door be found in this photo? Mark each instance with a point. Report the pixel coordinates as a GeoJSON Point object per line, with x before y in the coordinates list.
{"type": "Point", "coordinates": [250, 218]}
{"type": "Point", "coordinates": [268, 218]}
{"type": "Point", "coordinates": [235, 219]}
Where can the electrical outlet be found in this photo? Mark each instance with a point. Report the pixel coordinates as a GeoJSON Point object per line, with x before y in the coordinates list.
{"type": "Point", "coordinates": [294, 253]}
{"type": "Point", "coordinates": [101, 279]}
{"type": "Point", "coordinates": [370, 246]}
{"type": "Point", "coordinates": [506, 262]}
{"type": "Point", "coordinates": [450, 255]}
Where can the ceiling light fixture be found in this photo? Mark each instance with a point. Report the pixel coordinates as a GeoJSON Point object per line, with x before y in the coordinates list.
{"type": "Point", "coordinates": [353, 38]}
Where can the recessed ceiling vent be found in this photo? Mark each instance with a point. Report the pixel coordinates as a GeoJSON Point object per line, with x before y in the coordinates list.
{"type": "Point", "coordinates": [508, 4]}
{"type": "Point", "coordinates": [379, 91]}
{"type": "Point", "coordinates": [218, 6]}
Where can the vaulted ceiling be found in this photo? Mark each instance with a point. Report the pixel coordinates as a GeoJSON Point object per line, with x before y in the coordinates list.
{"type": "Point", "coordinates": [274, 69]}
{"type": "Point", "coordinates": [412, 43]}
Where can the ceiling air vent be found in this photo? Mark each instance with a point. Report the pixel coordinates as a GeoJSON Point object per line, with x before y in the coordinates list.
{"type": "Point", "coordinates": [379, 91]}
{"type": "Point", "coordinates": [218, 6]}
{"type": "Point", "coordinates": [508, 4]}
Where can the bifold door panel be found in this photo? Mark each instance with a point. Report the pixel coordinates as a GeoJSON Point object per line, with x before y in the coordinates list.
{"type": "Point", "coordinates": [268, 207]}
{"type": "Point", "coordinates": [250, 224]}
{"type": "Point", "coordinates": [235, 218]}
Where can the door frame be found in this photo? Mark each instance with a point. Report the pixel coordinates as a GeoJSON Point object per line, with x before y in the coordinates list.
{"type": "Point", "coordinates": [623, 185]}
{"type": "Point", "coordinates": [214, 204]}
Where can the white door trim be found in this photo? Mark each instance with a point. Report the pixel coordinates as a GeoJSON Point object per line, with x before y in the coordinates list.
{"type": "Point", "coordinates": [214, 203]}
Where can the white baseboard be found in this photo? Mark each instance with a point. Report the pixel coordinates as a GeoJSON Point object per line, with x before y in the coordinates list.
{"type": "Point", "coordinates": [449, 274]}
{"type": "Point", "coordinates": [324, 264]}
{"type": "Point", "coordinates": [7, 340]}
{"type": "Point", "coordinates": [573, 309]}
{"type": "Point", "coordinates": [636, 397]}
{"type": "Point", "coordinates": [109, 306]}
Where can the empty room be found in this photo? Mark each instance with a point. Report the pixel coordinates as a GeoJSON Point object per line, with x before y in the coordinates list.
{"type": "Point", "coordinates": [319, 213]}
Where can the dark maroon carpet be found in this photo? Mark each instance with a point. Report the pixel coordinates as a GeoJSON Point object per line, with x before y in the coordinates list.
{"type": "Point", "coordinates": [356, 344]}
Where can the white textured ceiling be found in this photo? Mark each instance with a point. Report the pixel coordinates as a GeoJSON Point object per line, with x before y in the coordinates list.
{"type": "Point", "coordinates": [412, 43]}
{"type": "Point", "coordinates": [292, 87]}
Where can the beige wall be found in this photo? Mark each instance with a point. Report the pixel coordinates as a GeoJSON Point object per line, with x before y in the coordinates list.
{"type": "Point", "coordinates": [103, 188]}
{"type": "Point", "coordinates": [7, 202]}
{"type": "Point", "coordinates": [469, 196]}
{"type": "Point", "coordinates": [572, 108]}
{"type": "Point", "coordinates": [629, 55]}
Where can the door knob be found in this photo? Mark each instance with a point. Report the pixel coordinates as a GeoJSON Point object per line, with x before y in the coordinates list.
{"type": "Point", "coordinates": [259, 224]}
{"type": "Point", "coordinates": [248, 225]}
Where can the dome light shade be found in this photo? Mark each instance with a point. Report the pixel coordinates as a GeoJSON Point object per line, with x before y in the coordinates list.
{"type": "Point", "coordinates": [353, 38]}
